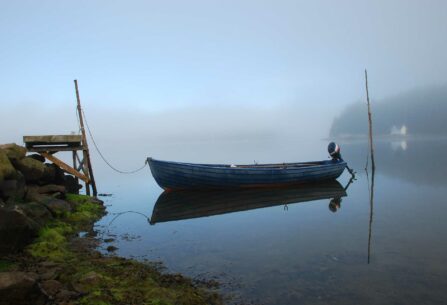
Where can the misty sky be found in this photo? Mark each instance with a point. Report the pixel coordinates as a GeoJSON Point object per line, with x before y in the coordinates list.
{"type": "Point", "coordinates": [230, 68]}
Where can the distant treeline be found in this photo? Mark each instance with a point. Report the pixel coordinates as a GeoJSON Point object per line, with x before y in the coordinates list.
{"type": "Point", "coordinates": [423, 112]}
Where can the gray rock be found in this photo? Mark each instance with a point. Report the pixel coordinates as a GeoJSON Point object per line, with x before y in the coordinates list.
{"type": "Point", "coordinates": [51, 188]}
{"type": "Point", "coordinates": [16, 230]}
{"type": "Point", "coordinates": [32, 194]}
{"type": "Point", "coordinates": [51, 287]}
{"type": "Point", "coordinates": [66, 295]}
{"type": "Point", "coordinates": [20, 288]}
{"type": "Point", "coordinates": [50, 274]}
{"type": "Point", "coordinates": [32, 169]}
{"type": "Point", "coordinates": [14, 151]}
{"type": "Point", "coordinates": [37, 157]}
{"type": "Point", "coordinates": [91, 278]}
{"type": "Point", "coordinates": [72, 185]}
{"type": "Point", "coordinates": [57, 207]}
{"type": "Point", "coordinates": [59, 175]}
{"type": "Point", "coordinates": [35, 211]}
{"type": "Point", "coordinates": [13, 189]}
{"type": "Point", "coordinates": [49, 174]}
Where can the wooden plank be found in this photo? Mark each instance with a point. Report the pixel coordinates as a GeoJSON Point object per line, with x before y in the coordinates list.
{"type": "Point", "coordinates": [53, 139]}
{"type": "Point", "coordinates": [54, 148]}
{"type": "Point", "coordinates": [65, 167]}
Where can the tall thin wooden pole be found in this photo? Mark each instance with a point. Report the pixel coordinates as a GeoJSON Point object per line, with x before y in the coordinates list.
{"type": "Point", "coordinates": [373, 169]}
{"type": "Point", "coordinates": [371, 147]}
{"type": "Point", "coordinates": [86, 152]}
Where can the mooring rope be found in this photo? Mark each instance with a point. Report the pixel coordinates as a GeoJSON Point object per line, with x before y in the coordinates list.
{"type": "Point", "coordinates": [102, 156]}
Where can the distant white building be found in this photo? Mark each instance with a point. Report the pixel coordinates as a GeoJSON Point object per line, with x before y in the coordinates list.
{"type": "Point", "coordinates": [402, 131]}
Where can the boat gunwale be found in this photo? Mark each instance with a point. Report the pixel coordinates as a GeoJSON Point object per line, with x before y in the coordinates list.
{"type": "Point", "coordinates": [266, 166]}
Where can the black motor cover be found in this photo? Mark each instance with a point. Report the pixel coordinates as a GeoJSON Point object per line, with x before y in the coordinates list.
{"type": "Point", "coordinates": [334, 150]}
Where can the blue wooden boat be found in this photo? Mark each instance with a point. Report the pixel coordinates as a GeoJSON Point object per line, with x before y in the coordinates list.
{"type": "Point", "coordinates": [178, 175]}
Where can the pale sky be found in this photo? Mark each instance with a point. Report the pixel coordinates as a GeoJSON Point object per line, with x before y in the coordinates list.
{"type": "Point", "coordinates": [278, 64]}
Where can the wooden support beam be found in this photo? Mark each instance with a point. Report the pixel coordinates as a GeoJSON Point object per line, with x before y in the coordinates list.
{"type": "Point", "coordinates": [65, 167]}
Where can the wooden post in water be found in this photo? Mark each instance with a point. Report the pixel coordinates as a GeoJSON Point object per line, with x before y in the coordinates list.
{"type": "Point", "coordinates": [86, 153]}
{"type": "Point", "coordinates": [373, 169]}
{"type": "Point", "coordinates": [371, 147]}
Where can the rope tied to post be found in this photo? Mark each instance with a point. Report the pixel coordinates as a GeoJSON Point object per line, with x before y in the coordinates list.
{"type": "Point", "coordinates": [102, 156]}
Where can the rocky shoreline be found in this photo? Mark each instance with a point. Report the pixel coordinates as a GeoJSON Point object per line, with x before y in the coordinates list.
{"type": "Point", "coordinates": [44, 261]}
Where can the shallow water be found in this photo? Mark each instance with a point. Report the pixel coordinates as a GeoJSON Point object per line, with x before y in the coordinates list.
{"type": "Point", "coordinates": [390, 252]}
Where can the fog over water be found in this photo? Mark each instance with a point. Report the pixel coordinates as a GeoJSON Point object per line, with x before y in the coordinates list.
{"type": "Point", "coordinates": [207, 69]}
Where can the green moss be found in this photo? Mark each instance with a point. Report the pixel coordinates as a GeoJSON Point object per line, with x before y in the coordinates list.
{"type": "Point", "coordinates": [6, 265]}
{"type": "Point", "coordinates": [85, 212]}
{"type": "Point", "coordinates": [78, 199]}
{"type": "Point", "coordinates": [109, 280]}
{"type": "Point", "coordinates": [52, 242]}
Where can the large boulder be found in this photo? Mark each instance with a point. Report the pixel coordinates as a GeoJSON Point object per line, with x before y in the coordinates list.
{"type": "Point", "coordinates": [7, 171]}
{"type": "Point", "coordinates": [49, 174]}
{"type": "Point", "coordinates": [13, 189]}
{"type": "Point", "coordinates": [51, 189]}
{"type": "Point", "coordinates": [35, 211]}
{"type": "Point", "coordinates": [37, 157]}
{"type": "Point", "coordinates": [32, 194]}
{"type": "Point", "coordinates": [14, 151]}
{"type": "Point", "coordinates": [16, 230]}
{"type": "Point", "coordinates": [32, 169]}
{"type": "Point", "coordinates": [72, 185]}
{"type": "Point", "coordinates": [20, 288]}
{"type": "Point", "coordinates": [57, 207]}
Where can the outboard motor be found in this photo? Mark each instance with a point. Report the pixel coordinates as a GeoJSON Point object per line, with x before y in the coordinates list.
{"type": "Point", "coordinates": [334, 151]}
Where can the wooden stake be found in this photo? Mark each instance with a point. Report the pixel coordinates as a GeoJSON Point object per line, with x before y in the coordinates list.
{"type": "Point", "coordinates": [88, 164]}
{"type": "Point", "coordinates": [371, 147]}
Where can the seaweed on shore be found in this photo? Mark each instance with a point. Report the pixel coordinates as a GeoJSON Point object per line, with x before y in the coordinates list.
{"type": "Point", "coordinates": [98, 280]}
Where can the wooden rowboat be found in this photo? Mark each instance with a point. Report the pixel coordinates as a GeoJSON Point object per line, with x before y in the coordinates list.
{"type": "Point", "coordinates": [187, 204]}
{"type": "Point", "coordinates": [177, 175]}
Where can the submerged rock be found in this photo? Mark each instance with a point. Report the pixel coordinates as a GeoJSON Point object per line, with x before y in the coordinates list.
{"type": "Point", "coordinates": [111, 248]}
{"type": "Point", "coordinates": [20, 288]}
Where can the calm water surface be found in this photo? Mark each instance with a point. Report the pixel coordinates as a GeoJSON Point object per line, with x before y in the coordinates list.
{"type": "Point", "coordinates": [390, 252]}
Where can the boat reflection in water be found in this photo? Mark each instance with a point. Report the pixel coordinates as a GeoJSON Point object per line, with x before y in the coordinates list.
{"type": "Point", "coordinates": [179, 205]}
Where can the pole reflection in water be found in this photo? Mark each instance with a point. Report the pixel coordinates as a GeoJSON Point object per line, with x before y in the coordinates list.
{"type": "Point", "coordinates": [371, 207]}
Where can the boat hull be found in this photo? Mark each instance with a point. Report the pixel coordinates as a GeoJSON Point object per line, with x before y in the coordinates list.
{"type": "Point", "coordinates": [176, 175]}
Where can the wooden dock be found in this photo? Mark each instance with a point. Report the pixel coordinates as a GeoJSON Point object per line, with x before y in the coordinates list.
{"type": "Point", "coordinates": [48, 145]}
